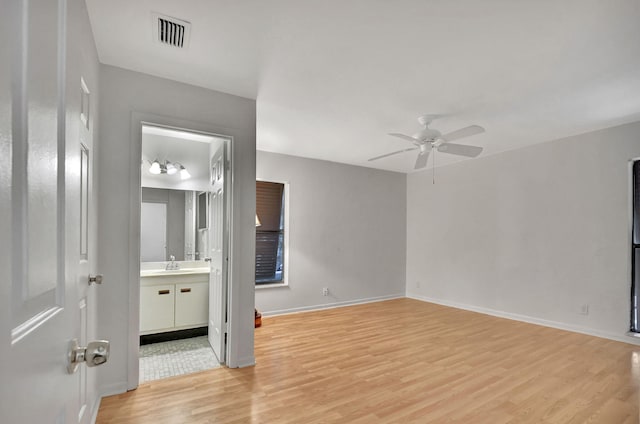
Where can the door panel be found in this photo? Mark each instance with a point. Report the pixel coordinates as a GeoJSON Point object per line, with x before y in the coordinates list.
{"type": "Point", "coordinates": [37, 186]}
{"type": "Point", "coordinates": [218, 250]}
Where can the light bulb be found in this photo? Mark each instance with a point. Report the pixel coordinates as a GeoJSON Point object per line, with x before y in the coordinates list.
{"type": "Point", "coordinates": [171, 168]}
{"type": "Point", "coordinates": [184, 174]}
{"type": "Point", "coordinates": [155, 167]}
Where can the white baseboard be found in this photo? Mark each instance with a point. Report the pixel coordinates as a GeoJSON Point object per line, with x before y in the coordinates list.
{"type": "Point", "coordinates": [113, 389]}
{"type": "Point", "coordinates": [110, 390]}
{"type": "Point", "coordinates": [248, 361]}
{"type": "Point", "coordinates": [531, 320]}
{"type": "Point", "coordinates": [331, 305]}
{"type": "Point", "coordinates": [96, 408]}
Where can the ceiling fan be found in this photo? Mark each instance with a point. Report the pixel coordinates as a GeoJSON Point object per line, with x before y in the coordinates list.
{"type": "Point", "coordinates": [428, 139]}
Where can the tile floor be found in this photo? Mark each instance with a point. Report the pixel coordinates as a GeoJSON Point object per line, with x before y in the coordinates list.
{"type": "Point", "coordinates": [176, 357]}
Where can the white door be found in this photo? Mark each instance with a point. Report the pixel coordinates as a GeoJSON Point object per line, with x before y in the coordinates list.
{"type": "Point", "coordinates": [40, 171]}
{"type": "Point", "coordinates": [218, 250]}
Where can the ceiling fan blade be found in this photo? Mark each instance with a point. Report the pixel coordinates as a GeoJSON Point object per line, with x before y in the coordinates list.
{"type": "Point", "coordinates": [460, 149]}
{"type": "Point", "coordinates": [463, 132]}
{"type": "Point", "coordinates": [422, 159]}
{"type": "Point", "coordinates": [406, 137]}
{"type": "Point", "coordinates": [393, 153]}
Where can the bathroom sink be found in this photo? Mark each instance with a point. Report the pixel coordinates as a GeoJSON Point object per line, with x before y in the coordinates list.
{"type": "Point", "coordinates": [183, 271]}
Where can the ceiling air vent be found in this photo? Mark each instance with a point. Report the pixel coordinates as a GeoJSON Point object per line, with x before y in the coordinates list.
{"type": "Point", "coordinates": [171, 31]}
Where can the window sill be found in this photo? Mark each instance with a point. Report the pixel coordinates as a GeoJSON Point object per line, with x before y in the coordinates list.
{"type": "Point", "coordinates": [271, 285]}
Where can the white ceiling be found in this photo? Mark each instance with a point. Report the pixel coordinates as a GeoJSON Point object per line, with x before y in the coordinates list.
{"type": "Point", "coordinates": [333, 77]}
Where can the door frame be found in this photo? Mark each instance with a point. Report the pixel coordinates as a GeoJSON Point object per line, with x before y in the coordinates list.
{"type": "Point", "coordinates": [631, 331]}
{"type": "Point", "coordinates": [135, 197]}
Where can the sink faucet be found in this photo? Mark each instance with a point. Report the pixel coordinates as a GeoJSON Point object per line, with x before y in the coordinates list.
{"type": "Point", "coordinates": [173, 264]}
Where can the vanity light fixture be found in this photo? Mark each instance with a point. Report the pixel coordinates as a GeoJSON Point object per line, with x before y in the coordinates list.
{"type": "Point", "coordinates": [184, 174]}
{"type": "Point", "coordinates": [171, 168]}
{"type": "Point", "coordinates": [168, 168]}
{"type": "Point", "coordinates": [155, 167]}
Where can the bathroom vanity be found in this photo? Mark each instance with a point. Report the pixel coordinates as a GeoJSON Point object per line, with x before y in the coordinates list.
{"type": "Point", "coordinates": [174, 280]}
{"type": "Point", "coordinates": [172, 300]}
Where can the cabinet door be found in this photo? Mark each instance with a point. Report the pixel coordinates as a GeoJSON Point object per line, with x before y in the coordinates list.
{"type": "Point", "coordinates": [192, 304]}
{"type": "Point", "coordinates": [156, 307]}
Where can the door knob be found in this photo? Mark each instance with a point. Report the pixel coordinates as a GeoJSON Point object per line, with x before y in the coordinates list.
{"type": "Point", "coordinates": [97, 279]}
{"type": "Point", "coordinates": [94, 354]}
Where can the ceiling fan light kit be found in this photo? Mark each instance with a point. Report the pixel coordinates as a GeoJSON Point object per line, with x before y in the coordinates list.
{"type": "Point", "coordinates": [428, 139]}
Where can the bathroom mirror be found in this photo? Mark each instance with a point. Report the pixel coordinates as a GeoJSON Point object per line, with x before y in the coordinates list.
{"type": "Point", "coordinates": [173, 223]}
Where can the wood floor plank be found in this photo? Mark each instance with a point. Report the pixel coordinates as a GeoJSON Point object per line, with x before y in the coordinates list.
{"type": "Point", "coordinates": [401, 361]}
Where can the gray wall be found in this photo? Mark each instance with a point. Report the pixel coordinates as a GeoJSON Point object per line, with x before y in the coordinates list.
{"type": "Point", "coordinates": [125, 97]}
{"type": "Point", "coordinates": [175, 201]}
{"type": "Point", "coordinates": [346, 232]}
{"type": "Point", "coordinates": [533, 233]}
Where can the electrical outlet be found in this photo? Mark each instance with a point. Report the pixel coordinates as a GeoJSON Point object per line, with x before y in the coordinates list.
{"type": "Point", "coordinates": [584, 309]}
{"type": "Point", "coordinates": [325, 291]}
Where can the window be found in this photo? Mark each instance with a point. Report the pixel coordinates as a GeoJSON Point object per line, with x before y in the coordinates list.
{"type": "Point", "coordinates": [269, 232]}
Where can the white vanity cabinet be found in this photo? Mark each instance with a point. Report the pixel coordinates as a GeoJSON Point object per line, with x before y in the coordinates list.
{"type": "Point", "coordinates": [157, 307]}
{"type": "Point", "coordinates": [173, 302]}
{"type": "Point", "coordinates": [192, 304]}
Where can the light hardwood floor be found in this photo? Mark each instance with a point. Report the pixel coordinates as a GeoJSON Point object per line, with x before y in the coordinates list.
{"type": "Point", "coordinates": [401, 361]}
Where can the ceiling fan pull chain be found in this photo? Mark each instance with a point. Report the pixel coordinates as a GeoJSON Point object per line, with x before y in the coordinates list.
{"type": "Point", "coordinates": [434, 167]}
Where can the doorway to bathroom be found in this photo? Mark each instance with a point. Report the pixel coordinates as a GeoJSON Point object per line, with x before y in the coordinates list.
{"type": "Point", "coordinates": [184, 227]}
